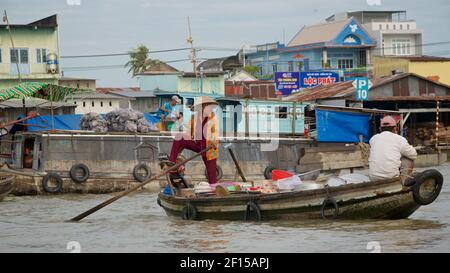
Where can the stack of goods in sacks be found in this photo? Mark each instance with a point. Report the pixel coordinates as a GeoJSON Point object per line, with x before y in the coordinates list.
{"type": "Point", "coordinates": [93, 122]}
{"type": "Point", "coordinates": [128, 120]}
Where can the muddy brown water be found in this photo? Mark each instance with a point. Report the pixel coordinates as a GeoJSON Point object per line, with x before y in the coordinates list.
{"type": "Point", "coordinates": [137, 224]}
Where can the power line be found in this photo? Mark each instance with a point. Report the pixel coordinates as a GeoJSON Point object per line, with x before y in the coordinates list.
{"type": "Point", "coordinates": [122, 54]}
{"type": "Point", "coordinates": [113, 66]}
{"type": "Point", "coordinates": [209, 48]}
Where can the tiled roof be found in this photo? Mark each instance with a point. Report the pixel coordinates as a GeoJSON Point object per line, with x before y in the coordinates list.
{"type": "Point", "coordinates": [319, 33]}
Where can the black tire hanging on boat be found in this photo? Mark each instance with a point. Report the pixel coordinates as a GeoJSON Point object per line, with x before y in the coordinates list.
{"type": "Point", "coordinates": [57, 178]}
{"type": "Point", "coordinates": [189, 212]}
{"type": "Point", "coordinates": [326, 203]}
{"type": "Point", "coordinates": [139, 177]}
{"type": "Point", "coordinates": [268, 172]}
{"type": "Point", "coordinates": [219, 172]}
{"type": "Point", "coordinates": [252, 207]}
{"type": "Point", "coordinates": [74, 173]}
{"type": "Point", "coordinates": [420, 180]}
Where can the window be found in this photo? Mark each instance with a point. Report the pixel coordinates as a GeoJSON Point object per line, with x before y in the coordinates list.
{"type": "Point", "coordinates": [407, 26]}
{"type": "Point", "coordinates": [274, 68]}
{"type": "Point", "coordinates": [395, 27]}
{"type": "Point", "coordinates": [281, 112]}
{"type": "Point", "coordinates": [0, 55]}
{"type": "Point", "coordinates": [84, 104]}
{"type": "Point", "coordinates": [387, 26]}
{"type": "Point", "coordinates": [19, 55]}
{"type": "Point", "coordinates": [93, 104]}
{"type": "Point", "coordinates": [101, 104]}
{"type": "Point", "coordinates": [401, 27]}
{"type": "Point", "coordinates": [401, 46]}
{"type": "Point", "coordinates": [300, 66]}
{"type": "Point", "coordinates": [290, 66]}
{"type": "Point", "coordinates": [381, 26]}
{"type": "Point", "coordinates": [110, 104]}
{"type": "Point", "coordinates": [345, 63]}
{"type": "Point", "coordinates": [41, 55]}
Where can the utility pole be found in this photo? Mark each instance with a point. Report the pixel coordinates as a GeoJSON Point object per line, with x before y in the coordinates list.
{"type": "Point", "coordinates": [5, 19]}
{"type": "Point", "coordinates": [193, 54]}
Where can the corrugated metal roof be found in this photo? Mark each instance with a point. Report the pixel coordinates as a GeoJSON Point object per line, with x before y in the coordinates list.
{"type": "Point", "coordinates": [319, 33]}
{"type": "Point", "coordinates": [134, 94]}
{"type": "Point", "coordinates": [117, 89]}
{"type": "Point", "coordinates": [34, 103]}
{"type": "Point", "coordinates": [94, 95]}
{"type": "Point", "coordinates": [424, 58]}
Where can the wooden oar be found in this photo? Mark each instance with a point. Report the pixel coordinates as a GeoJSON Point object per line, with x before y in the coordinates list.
{"type": "Point", "coordinates": [109, 201]}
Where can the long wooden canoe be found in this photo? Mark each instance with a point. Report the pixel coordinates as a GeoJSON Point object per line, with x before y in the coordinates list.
{"type": "Point", "coordinates": [7, 184]}
{"type": "Point", "coordinates": [385, 199]}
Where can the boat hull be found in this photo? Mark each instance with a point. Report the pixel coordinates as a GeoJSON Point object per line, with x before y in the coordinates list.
{"type": "Point", "coordinates": [6, 186]}
{"type": "Point", "coordinates": [374, 200]}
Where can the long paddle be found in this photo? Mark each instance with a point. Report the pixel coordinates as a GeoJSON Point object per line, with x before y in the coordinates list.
{"type": "Point", "coordinates": [109, 201]}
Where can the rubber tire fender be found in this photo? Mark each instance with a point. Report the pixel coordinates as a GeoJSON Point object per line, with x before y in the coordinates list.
{"type": "Point", "coordinates": [268, 172]}
{"type": "Point", "coordinates": [329, 201]}
{"type": "Point", "coordinates": [139, 177]}
{"type": "Point", "coordinates": [73, 173]}
{"type": "Point", "coordinates": [252, 207]}
{"type": "Point", "coordinates": [59, 183]}
{"type": "Point", "coordinates": [219, 173]}
{"type": "Point", "coordinates": [189, 212]}
{"type": "Point", "coordinates": [422, 178]}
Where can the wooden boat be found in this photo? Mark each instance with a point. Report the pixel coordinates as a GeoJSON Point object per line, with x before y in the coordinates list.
{"type": "Point", "coordinates": [7, 184]}
{"type": "Point", "coordinates": [385, 199]}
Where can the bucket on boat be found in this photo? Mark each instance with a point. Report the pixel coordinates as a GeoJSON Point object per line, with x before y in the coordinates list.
{"type": "Point", "coordinates": [280, 174]}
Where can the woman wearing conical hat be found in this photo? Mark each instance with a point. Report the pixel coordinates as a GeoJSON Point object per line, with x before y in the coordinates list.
{"type": "Point", "coordinates": [203, 131]}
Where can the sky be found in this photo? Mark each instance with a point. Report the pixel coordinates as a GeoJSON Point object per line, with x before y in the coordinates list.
{"type": "Point", "coordinates": [118, 26]}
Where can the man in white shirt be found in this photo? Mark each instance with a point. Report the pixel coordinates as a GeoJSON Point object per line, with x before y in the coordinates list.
{"type": "Point", "coordinates": [390, 153]}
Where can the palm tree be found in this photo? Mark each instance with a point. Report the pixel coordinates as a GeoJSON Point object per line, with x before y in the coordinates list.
{"type": "Point", "coordinates": [139, 61]}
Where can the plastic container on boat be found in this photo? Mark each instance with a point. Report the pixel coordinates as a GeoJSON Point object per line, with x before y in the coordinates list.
{"type": "Point", "coordinates": [280, 174]}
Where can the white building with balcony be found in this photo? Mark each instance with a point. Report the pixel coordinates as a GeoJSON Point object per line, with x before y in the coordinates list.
{"type": "Point", "coordinates": [396, 35]}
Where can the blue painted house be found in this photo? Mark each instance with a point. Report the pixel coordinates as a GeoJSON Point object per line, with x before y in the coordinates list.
{"type": "Point", "coordinates": [339, 46]}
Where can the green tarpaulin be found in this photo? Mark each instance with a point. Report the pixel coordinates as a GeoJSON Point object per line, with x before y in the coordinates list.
{"type": "Point", "coordinates": [37, 90]}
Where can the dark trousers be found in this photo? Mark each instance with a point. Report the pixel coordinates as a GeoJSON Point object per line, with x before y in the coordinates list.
{"type": "Point", "coordinates": [196, 146]}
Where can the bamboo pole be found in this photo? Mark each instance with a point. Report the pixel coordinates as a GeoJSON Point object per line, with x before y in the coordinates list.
{"type": "Point", "coordinates": [115, 198]}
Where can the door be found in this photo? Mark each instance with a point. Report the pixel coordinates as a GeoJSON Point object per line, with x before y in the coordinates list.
{"type": "Point", "coordinates": [19, 56]}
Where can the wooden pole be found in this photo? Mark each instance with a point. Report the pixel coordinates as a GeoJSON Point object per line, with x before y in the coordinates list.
{"type": "Point", "coordinates": [238, 167]}
{"type": "Point", "coordinates": [437, 125]}
{"type": "Point", "coordinates": [5, 17]}
{"type": "Point", "coordinates": [51, 108]}
{"type": "Point", "coordinates": [115, 198]}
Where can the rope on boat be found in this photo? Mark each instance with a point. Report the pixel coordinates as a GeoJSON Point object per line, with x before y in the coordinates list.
{"type": "Point", "coordinates": [252, 207]}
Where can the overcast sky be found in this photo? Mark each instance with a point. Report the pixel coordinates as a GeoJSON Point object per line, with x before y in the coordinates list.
{"type": "Point", "coordinates": [116, 26]}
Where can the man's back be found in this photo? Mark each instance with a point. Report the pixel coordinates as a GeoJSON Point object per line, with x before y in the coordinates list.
{"type": "Point", "coordinates": [386, 150]}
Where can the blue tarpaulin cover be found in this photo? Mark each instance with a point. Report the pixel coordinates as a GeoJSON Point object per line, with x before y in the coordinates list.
{"type": "Point", "coordinates": [65, 122]}
{"type": "Point", "coordinates": [335, 126]}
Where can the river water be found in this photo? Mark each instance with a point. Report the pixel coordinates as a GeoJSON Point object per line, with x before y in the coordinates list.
{"type": "Point", "coordinates": [137, 224]}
